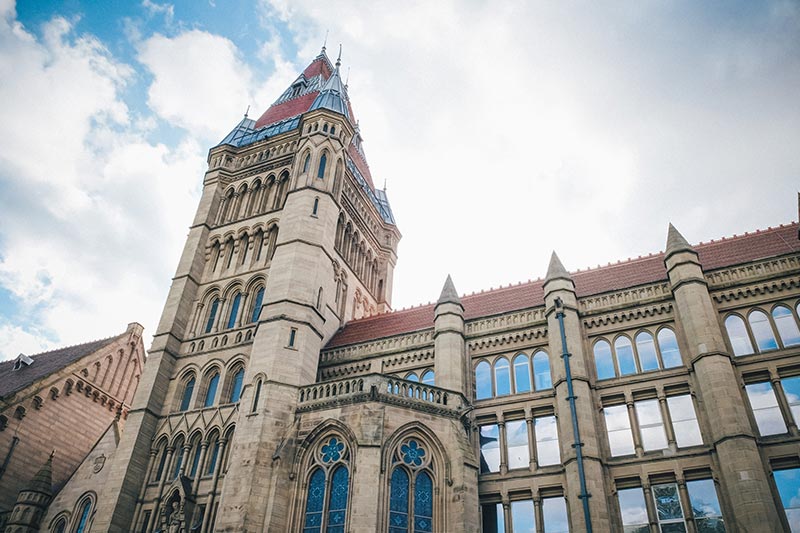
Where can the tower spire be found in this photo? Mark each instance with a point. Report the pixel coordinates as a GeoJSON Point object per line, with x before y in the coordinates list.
{"type": "Point", "coordinates": [325, 42]}
{"type": "Point", "coordinates": [339, 59]}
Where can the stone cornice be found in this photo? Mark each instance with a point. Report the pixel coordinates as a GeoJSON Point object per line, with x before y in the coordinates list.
{"type": "Point", "coordinates": [756, 289]}
{"type": "Point", "coordinates": [625, 298]}
{"type": "Point", "coordinates": [628, 315]}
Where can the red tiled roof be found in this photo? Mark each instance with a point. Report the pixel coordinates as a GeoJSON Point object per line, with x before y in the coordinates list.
{"type": "Point", "coordinates": [45, 364]}
{"type": "Point", "coordinates": [286, 109]}
{"type": "Point", "coordinates": [361, 164]}
{"type": "Point", "coordinates": [713, 255]}
{"type": "Point", "coordinates": [318, 66]}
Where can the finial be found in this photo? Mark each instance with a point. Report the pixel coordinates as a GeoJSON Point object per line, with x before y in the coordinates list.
{"type": "Point", "coordinates": [339, 59]}
{"type": "Point", "coordinates": [325, 42]}
{"type": "Point", "coordinates": [53, 453]}
{"type": "Point", "coordinates": [247, 111]}
{"type": "Point", "coordinates": [384, 184]}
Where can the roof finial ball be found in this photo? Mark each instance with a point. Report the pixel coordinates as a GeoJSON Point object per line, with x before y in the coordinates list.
{"type": "Point", "coordinates": [325, 42]}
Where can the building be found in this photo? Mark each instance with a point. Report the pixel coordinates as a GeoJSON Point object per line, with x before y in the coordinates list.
{"type": "Point", "coordinates": [54, 407]}
{"type": "Point", "coordinates": [281, 393]}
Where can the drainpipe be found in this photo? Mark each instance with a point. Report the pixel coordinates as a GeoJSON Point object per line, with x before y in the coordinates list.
{"type": "Point", "coordinates": [576, 432]}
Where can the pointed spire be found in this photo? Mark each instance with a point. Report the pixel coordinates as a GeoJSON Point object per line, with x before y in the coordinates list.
{"type": "Point", "coordinates": [339, 59]}
{"type": "Point", "coordinates": [332, 94]}
{"type": "Point", "coordinates": [43, 480]}
{"type": "Point", "coordinates": [556, 269]}
{"type": "Point", "coordinates": [449, 293]}
{"type": "Point", "coordinates": [676, 242]}
{"type": "Point", "coordinates": [325, 42]}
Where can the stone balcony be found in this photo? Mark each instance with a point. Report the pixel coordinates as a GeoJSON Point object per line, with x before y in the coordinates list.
{"type": "Point", "coordinates": [383, 389]}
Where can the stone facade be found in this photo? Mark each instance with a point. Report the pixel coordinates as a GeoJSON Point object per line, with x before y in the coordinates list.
{"type": "Point", "coordinates": [281, 393]}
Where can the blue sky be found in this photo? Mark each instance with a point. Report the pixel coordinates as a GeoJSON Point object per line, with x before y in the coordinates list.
{"type": "Point", "coordinates": [510, 128]}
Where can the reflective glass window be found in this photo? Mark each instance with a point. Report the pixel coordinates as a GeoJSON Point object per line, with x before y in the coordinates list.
{"type": "Point", "coordinates": [646, 349]}
{"type": "Point", "coordinates": [502, 377]}
{"type": "Point", "coordinates": [633, 510]}
{"type": "Point", "coordinates": [791, 389]}
{"type": "Point", "coordinates": [490, 448]}
{"type": "Point", "coordinates": [315, 498]}
{"type": "Point", "coordinates": [398, 502]}
{"type": "Point", "coordinates": [257, 305]}
{"type": "Point", "coordinates": [483, 381]}
{"type": "Point", "coordinates": [493, 519]}
{"type": "Point", "coordinates": [603, 360]}
{"type": "Point", "coordinates": [234, 310]}
{"type": "Point", "coordinates": [541, 371]}
{"type": "Point", "coordinates": [212, 315]}
{"type": "Point", "coordinates": [705, 506]}
{"type": "Point", "coordinates": [684, 421]}
{"type": "Point", "coordinates": [546, 431]}
{"type": "Point", "coordinates": [618, 424]}
{"type": "Point", "coordinates": [668, 508]}
{"type": "Point", "coordinates": [413, 377]}
{"type": "Point", "coordinates": [651, 425]}
{"type": "Point", "coordinates": [788, 483]}
{"type": "Point", "coordinates": [522, 518]}
{"type": "Point", "coordinates": [737, 333]}
{"type": "Point", "coordinates": [625, 358]}
{"type": "Point", "coordinates": [429, 378]}
{"type": "Point", "coordinates": [236, 388]}
{"type": "Point", "coordinates": [522, 373]}
{"type": "Point", "coordinates": [787, 326]}
{"type": "Point", "coordinates": [762, 331]}
{"type": "Point", "coordinates": [554, 511]}
{"type": "Point", "coordinates": [765, 408]}
{"type": "Point", "coordinates": [211, 392]}
{"type": "Point", "coordinates": [668, 345]}
{"type": "Point", "coordinates": [187, 394]}
{"type": "Point", "coordinates": [517, 444]}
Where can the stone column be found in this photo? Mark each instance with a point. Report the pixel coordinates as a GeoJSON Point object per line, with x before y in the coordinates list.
{"type": "Point", "coordinates": [501, 431]}
{"type": "Point", "coordinates": [150, 463]}
{"type": "Point", "coordinates": [667, 418]}
{"type": "Point", "coordinates": [531, 439]}
{"type": "Point", "coordinates": [200, 462]}
{"type": "Point", "coordinates": [558, 286]}
{"type": "Point", "coordinates": [633, 418]}
{"type": "Point", "coordinates": [741, 469]}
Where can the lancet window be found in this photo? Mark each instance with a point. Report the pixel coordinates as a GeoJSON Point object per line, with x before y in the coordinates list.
{"type": "Point", "coordinates": [328, 488]}
{"type": "Point", "coordinates": [411, 496]}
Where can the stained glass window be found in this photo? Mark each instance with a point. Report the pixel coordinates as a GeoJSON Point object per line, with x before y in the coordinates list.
{"type": "Point", "coordinates": [398, 502]}
{"type": "Point", "coordinates": [541, 371]}
{"type": "Point", "coordinates": [234, 310]}
{"type": "Point", "coordinates": [187, 394]}
{"type": "Point", "coordinates": [668, 508]}
{"type": "Point", "coordinates": [314, 502]}
{"type": "Point", "coordinates": [337, 508]}
{"type": "Point", "coordinates": [212, 315]}
{"type": "Point", "coordinates": [522, 373]}
{"type": "Point", "coordinates": [236, 387]}
{"type": "Point", "coordinates": [257, 304]}
{"type": "Point", "coordinates": [423, 503]}
{"type": "Point", "coordinates": [87, 506]}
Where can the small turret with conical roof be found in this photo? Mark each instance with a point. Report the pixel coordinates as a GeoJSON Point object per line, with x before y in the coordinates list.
{"type": "Point", "coordinates": [450, 359]}
{"type": "Point", "coordinates": [33, 500]}
{"type": "Point", "coordinates": [333, 96]}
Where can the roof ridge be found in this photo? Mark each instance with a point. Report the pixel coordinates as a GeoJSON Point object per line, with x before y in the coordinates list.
{"type": "Point", "coordinates": [68, 346]}
{"type": "Point", "coordinates": [758, 231]}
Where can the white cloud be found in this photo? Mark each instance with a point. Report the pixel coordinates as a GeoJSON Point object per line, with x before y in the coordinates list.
{"type": "Point", "coordinates": [168, 10]}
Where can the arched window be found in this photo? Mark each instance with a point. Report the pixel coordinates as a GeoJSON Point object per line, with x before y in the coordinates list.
{"type": "Point", "coordinates": [737, 333]}
{"type": "Point", "coordinates": [646, 349]}
{"type": "Point", "coordinates": [483, 381]}
{"type": "Point", "coordinates": [188, 390]}
{"type": "Point", "coordinates": [603, 360]}
{"type": "Point", "coordinates": [762, 331]}
{"type": "Point", "coordinates": [61, 525]}
{"type": "Point", "coordinates": [625, 357]}
{"type": "Point", "coordinates": [412, 376]}
{"type": "Point", "coordinates": [161, 462]}
{"type": "Point", "coordinates": [211, 391]}
{"type": "Point", "coordinates": [428, 378]}
{"type": "Point", "coordinates": [234, 310]}
{"type": "Point", "coordinates": [213, 444]}
{"type": "Point", "coordinates": [306, 163]}
{"type": "Point", "coordinates": [786, 325]}
{"type": "Point", "coordinates": [326, 503]}
{"type": "Point", "coordinates": [668, 345]}
{"type": "Point", "coordinates": [316, 207]}
{"type": "Point", "coordinates": [212, 314]}
{"type": "Point", "coordinates": [177, 459]}
{"type": "Point", "coordinates": [322, 162]}
{"type": "Point", "coordinates": [256, 397]}
{"type": "Point", "coordinates": [502, 377]}
{"type": "Point", "coordinates": [541, 371]}
{"type": "Point", "coordinates": [257, 305]}
{"type": "Point", "coordinates": [236, 386]}
{"type": "Point", "coordinates": [195, 455]}
{"type": "Point", "coordinates": [522, 373]}
{"type": "Point", "coordinates": [84, 516]}
{"type": "Point", "coordinates": [411, 495]}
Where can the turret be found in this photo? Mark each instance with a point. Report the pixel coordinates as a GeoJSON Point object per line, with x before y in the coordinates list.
{"type": "Point", "coordinates": [32, 501]}
{"type": "Point", "coordinates": [450, 363]}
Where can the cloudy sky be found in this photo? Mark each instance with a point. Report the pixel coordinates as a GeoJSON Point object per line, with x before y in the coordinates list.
{"type": "Point", "coordinates": [503, 130]}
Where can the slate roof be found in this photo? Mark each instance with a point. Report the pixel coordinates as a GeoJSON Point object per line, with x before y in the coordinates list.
{"type": "Point", "coordinates": [726, 252]}
{"type": "Point", "coordinates": [45, 364]}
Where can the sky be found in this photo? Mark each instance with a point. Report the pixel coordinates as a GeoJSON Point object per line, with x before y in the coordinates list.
{"type": "Point", "coordinates": [501, 131]}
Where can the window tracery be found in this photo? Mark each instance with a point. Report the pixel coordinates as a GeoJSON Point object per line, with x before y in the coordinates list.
{"type": "Point", "coordinates": [411, 495]}
{"type": "Point", "coordinates": [328, 489]}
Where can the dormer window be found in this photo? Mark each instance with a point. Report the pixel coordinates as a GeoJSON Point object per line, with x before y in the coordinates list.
{"type": "Point", "coordinates": [297, 88]}
{"type": "Point", "coordinates": [21, 361]}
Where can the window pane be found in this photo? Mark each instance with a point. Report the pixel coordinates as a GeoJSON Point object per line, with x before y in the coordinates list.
{"type": "Point", "coordinates": [618, 424]}
{"type": "Point", "coordinates": [788, 483]}
{"type": "Point", "coordinates": [483, 381]}
{"type": "Point", "coordinates": [522, 373]}
{"type": "Point", "coordinates": [625, 359]}
{"type": "Point", "coordinates": [211, 393]}
{"type": "Point", "coordinates": [517, 442]}
{"type": "Point", "coordinates": [633, 510]}
{"type": "Point", "coordinates": [762, 331]}
{"type": "Point", "coordinates": [668, 344]}
{"type": "Point", "coordinates": [490, 448]}
{"type": "Point", "coordinates": [493, 518]}
{"type": "Point", "coordinates": [541, 371]}
{"type": "Point", "coordinates": [236, 389]}
{"type": "Point", "coordinates": [791, 388]}
{"type": "Point", "coordinates": [522, 517]}
{"type": "Point", "coordinates": [258, 302]}
{"type": "Point", "coordinates": [668, 504]}
{"type": "Point", "coordinates": [423, 504]}
{"type": "Point", "coordinates": [603, 360]}
{"type": "Point", "coordinates": [684, 421]}
{"type": "Point", "coordinates": [502, 377]}
{"type": "Point", "coordinates": [314, 500]}
{"type": "Point", "coordinates": [737, 333]}
{"type": "Point", "coordinates": [546, 431]}
{"type": "Point", "coordinates": [651, 425]}
{"type": "Point", "coordinates": [398, 502]}
{"type": "Point", "coordinates": [337, 506]}
{"type": "Point", "coordinates": [765, 409]}
{"type": "Point", "coordinates": [187, 395]}
{"type": "Point", "coordinates": [787, 327]}
{"type": "Point", "coordinates": [234, 310]}
{"type": "Point", "coordinates": [703, 496]}
{"type": "Point", "coordinates": [413, 377]}
{"type": "Point", "coordinates": [555, 515]}
{"type": "Point", "coordinates": [647, 351]}
{"type": "Point", "coordinates": [429, 378]}
{"type": "Point", "coordinates": [212, 315]}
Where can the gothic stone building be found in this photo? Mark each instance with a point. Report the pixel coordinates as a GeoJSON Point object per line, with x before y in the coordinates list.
{"type": "Point", "coordinates": [281, 393]}
{"type": "Point", "coordinates": [60, 402]}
